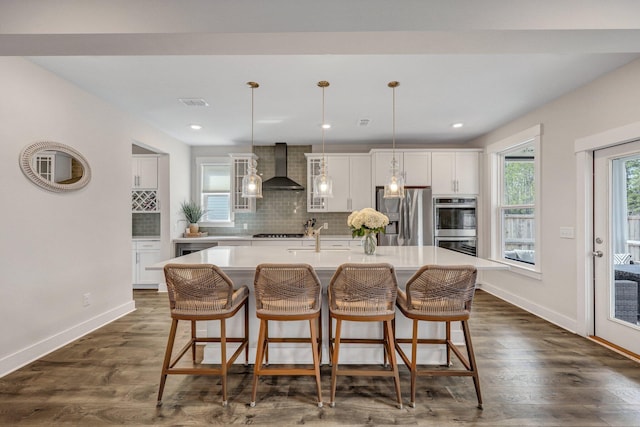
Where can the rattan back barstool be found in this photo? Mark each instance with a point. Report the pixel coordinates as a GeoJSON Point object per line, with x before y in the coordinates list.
{"type": "Point", "coordinates": [287, 292]}
{"type": "Point", "coordinates": [199, 292]}
{"type": "Point", "coordinates": [440, 294]}
{"type": "Point", "coordinates": [363, 293]}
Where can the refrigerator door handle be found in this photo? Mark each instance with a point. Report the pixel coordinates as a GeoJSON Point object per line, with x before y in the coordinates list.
{"type": "Point", "coordinates": [401, 222]}
{"type": "Point", "coordinates": [404, 234]}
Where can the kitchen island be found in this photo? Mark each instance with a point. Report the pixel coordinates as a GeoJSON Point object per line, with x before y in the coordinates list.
{"type": "Point", "coordinates": [239, 262]}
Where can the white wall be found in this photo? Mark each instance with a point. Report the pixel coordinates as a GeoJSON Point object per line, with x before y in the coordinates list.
{"type": "Point", "coordinates": [56, 247]}
{"type": "Point", "coordinates": [608, 102]}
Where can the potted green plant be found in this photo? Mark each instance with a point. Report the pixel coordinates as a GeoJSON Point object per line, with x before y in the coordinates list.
{"type": "Point", "coordinates": [193, 213]}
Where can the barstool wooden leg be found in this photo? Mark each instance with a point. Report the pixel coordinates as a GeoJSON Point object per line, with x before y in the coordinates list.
{"type": "Point", "coordinates": [167, 359]}
{"type": "Point", "coordinates": [246, 332]}
{"type": "Point", "coordinates": [385, 337]}
{"type": "Point", "coordinates": [414, 364]}
{"type": "Point", "coordinates": [319, 322]}
{"type": "Point", "coordinates": [330, 330]}
{"type": "Point", "coordinates": [393, 361]}
{"type": "Point", "coordinates": [334, 368]}
{"type": "Point", "coordinates": [193, 341]}
{"type": "Point", "coordinates": [266, 343]}
{"type": "Point", "coordinates": [316, 359]}
{"type": "Point", "coordinates": [448, 339]}
{"type": "Point", "coordinates": [472, 361]}
{"type": "Point", "coordinates": [223, 359]}
{"type": "Point", "coordinates": [258, 364]}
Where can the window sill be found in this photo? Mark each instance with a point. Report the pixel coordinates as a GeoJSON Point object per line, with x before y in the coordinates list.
{"type": "Point", "coordinates": [216, 224]}
{"type": "Point", "coordinates": [518, 268]}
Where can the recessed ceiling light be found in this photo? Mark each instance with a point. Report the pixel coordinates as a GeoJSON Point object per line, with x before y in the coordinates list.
{"type": "Point", "coordinates": [457, 125]}
{"type": "Point", "coordinates": [326, 126]}
{"type": "Point", "coordinates": [195, 127]}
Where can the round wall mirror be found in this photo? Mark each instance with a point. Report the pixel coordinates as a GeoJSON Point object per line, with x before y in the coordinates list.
{"type": "Point", "coordinates": [55, 167]}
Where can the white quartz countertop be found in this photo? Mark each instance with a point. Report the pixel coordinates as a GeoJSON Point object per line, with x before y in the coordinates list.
{"type": "Point", "coordinates": [250, 237]}
{"type": "Point", "coordinates": [403, 258]}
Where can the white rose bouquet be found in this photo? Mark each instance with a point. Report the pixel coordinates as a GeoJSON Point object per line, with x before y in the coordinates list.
{"type": "Point", "coordinates": [367, 221]}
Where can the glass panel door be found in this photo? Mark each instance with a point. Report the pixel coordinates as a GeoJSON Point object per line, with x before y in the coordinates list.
{"type": "Point", "coordinates": [617, 245]}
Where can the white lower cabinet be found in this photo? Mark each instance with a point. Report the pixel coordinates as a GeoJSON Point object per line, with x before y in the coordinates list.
{"type": "Point", "coordinates": [268, 242]}
{"type": "Point", "coordinates": [328, 243]}
{"type": "Point", "coordinates": [144, 254]}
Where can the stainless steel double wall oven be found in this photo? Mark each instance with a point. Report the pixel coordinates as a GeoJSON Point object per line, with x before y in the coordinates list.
{"type": "Point", "coordinates": [455, 225]}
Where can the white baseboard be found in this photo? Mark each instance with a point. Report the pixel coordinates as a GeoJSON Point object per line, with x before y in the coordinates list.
{"type": "Point", "coordinates": [29, 354]}
{"type": "Point", "coordinates": [549, 315]}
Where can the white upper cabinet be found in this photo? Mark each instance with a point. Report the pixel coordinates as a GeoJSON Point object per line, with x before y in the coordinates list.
{"type": "Point", "coordinates": [360, 185]}
{"type": "Point", "coordinates": [415, 167]}
{"type": "Point", "coordinates": [240, 169]}
{"type": "Point", "coordinates": [144, 172]}
{"type": "Point", "coordinates": [338, 170]}
{"type": "Point", "coordinates": [455, 172]}
{"type": "Point", "coordinates": [351, 176]}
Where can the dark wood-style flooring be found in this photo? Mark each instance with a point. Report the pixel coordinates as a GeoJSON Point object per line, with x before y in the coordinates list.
{"type": "Point", "coordinates": [532, 374]}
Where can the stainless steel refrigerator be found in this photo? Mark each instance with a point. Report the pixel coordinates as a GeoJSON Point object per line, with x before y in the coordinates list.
{"type": "Point", "coordinates": [410, 218]}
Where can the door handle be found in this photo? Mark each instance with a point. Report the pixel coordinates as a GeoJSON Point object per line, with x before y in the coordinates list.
{"type": "Point", "coordinates": [597, 254]}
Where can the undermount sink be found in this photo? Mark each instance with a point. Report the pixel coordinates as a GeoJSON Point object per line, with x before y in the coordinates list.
{"type": "Point", "coordinates": [312, 249]}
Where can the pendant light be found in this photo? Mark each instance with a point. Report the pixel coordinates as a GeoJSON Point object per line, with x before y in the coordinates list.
{"type": "Point", "coordinates": [394, 188]}
{"type": "Point", "coordinates": [251, 182]}
{"type": "Point", "coordinates": [322, 184]}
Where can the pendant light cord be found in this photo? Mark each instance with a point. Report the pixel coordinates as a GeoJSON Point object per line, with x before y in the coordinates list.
{"type": "Point", "coordinates": [323, 84]}
{"type": "Point", "coordinates": [252, 89]}
{"type": "Point", "coordinates": [252, 85]}
{"type": "Point", "coordinates": [324, 160]}
{"type": "Point", "coordinates": [393, 86]}
{"type": "Point", "coordinates": [393, 126]}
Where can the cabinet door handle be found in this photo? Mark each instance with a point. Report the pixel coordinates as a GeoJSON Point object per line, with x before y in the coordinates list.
{"type": "Point", "coordinates": [137, 257]}
{"type": "Point", "coordinates": [349, 204]}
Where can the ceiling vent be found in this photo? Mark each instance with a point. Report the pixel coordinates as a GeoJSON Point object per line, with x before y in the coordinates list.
{"type": "Point", "coordinates": [364, 122]}
{"type": "Point", "coordinates": [194, 102]}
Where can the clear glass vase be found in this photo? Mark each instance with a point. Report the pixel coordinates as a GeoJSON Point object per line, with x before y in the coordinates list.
{"type": "Point", "coordinates": [369, 243]}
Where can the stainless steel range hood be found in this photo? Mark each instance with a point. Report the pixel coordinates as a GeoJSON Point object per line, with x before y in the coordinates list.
{"type": "Point", "coordinates": [280, 181]}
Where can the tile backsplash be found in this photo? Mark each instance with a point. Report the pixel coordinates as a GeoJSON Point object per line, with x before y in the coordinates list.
{"type": "Point", "coordinates": [283, 211]}
{"type": "Point", "coordinates": [145, 224]}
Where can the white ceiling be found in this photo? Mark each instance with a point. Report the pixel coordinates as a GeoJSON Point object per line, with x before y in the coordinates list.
{"type": "Point", "coordinates": [483, 63]}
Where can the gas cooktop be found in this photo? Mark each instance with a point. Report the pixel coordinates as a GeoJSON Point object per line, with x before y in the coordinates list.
{"type": "Point", "coordinates": [278, 235]}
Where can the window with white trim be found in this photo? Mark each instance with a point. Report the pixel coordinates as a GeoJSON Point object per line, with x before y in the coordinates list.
{"type": "Point", "coordinates": [515, 231]}
{"type": "Point", "coordinates": [215, 191]}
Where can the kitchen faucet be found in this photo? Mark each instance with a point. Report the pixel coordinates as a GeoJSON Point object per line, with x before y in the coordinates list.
{"type": "Point", "coordinates": [316, 234]}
